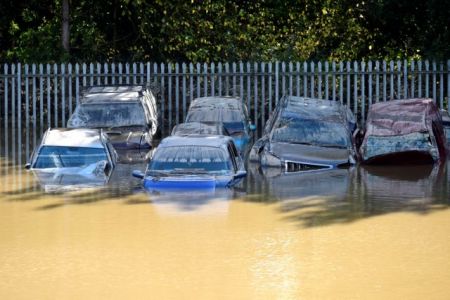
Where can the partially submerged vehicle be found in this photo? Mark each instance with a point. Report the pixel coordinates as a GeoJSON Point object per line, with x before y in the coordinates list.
{"type": "Point", "coordinates": [59, 181]}
{"type": "Point", "coordinates": [204, 128]}
{"type": "Point", "coordinates": [128, 114]}
{"type": "Point", "coordinates": [73, 156]}
{"type": "Point", "coordinates": [404, 132]}
{"type": "Point", "coordinates": [230, 111]}
{"type": "Point", "coordinates": [305, 134]}
{"type": "Point", "coordinates": [193, 162]}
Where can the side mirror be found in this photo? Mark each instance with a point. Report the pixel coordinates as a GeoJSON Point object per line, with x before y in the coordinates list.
{"type": "Point", "coordinates": [138, 174]}
{"type": "Point", "coordinates": [252, 127]}
{"type": "Point", "coordinates": [27, 166]}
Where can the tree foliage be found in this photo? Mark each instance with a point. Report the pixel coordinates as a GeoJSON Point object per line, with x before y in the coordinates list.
{"type": "Point", "coordinates": [219, 30]}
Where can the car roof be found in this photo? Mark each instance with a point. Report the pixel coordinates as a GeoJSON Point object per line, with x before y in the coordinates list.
{"type": "Point", "coordinates": [311, 108]}
{"type": "Point", "coordinates": [409, 106]}
{"type": "Point", "coordinates": [73, 137]}
{"type": "Point", "coordinates": [197, 140]}
{"type": "Point", "coordinates": [112, 93]}
{"type": "Point", "coordinates": [207, 103]}
{"type": "Point", "coordinates": [397, 117]}
{"type": "Point", "coordinates": [198, 128]}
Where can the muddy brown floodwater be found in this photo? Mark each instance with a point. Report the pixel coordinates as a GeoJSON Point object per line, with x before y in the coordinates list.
{"type": "Point", "coordinates": [360, 233]}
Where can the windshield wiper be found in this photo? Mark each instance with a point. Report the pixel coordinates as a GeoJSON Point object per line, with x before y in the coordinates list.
{"type": "Point", "coordinates": [157, 173]}
{"type": "Point", "coordinates": [332, 146]}
{"type": "Point", "coordinates": [189, 171]}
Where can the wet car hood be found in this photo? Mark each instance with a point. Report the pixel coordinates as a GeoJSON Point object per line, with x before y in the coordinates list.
{"type": "Point", "coordinates": [125, 135]}
{"type": "Point", "coordinates": [310, 153]}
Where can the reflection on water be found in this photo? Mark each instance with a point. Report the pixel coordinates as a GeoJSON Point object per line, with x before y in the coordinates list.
{"type": "Point", "coordinates": [362, 232]}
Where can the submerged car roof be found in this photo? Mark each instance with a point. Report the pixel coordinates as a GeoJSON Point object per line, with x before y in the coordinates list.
{"type": "Point", "coordinates": [73, 137]}
{"type": "Point", "coordinates": [207, 103]}
{"type": "Point", "coordinates": [199, 128]}
{"type": "Point", "coordinates": [314, 109]}
{"type": "Point", "coordinates": [113, 93]}
{"type": "Point", "coordinates": [197, 140]}
{"type": "Point", "coordinates": [401, 116]}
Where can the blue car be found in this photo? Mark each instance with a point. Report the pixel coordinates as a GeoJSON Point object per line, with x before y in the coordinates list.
{"type": "Point", "coordinates": [198, 162]}
{"type": "Point", "coordinates": [231, 112]}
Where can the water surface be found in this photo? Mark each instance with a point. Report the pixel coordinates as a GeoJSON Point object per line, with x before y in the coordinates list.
{"type": "Point", "coordinates": [358, 233]}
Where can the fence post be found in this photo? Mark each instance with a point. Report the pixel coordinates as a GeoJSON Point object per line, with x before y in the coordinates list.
{"type": "Point", "coordinates": [319, 80]}
{"type": "Point", "coordinates": [6, 111]}
{"type": "Point", "coordinates": [177, 94]}
{"type": "Point", "coordinates": [326, 80]}
{"type": "Point", "coordinates": [227, 79]}
{"type": "Point", "coordinates": [363, 92]}
{"type": "Point", "coordinates": [183, 70]}
{"type": "Point", "coordinates": [163, 100]}
{"type": "Point", "coordinates": [55, 94]}
{"type": "Point", "coordinates": [434, 82]}
{"type": "Point", "coordinates": [349, 104]}
{"type": "Point", "coordinates": [41, 98]}
{"type": "Point", "coordinates": [255, 87]}
{"type": "Point", "coordinates": [291, 70]}
{"type": "Point", "coordinates": [263, 94]}
{"type": "Point", "coordinates": [283, 79]}
{"type": "Point", "coordinates": [277, 97]}
{"type": "Point", "coordinates": [377, 81]}
{"type": "Point", "coordinates": [312, 87]}
{"type": "Point", "coordinates": [213, 79]}
{"type": "Point", "coordinates": [427, 79]}
{"type": "Point", "coordinates": [63, 95]}
{"type": "Point", "coordinates": [70, 73]}
{"type": "Point", "coordinates": [355, 88]}
{"type": "Point", "coordinates": [341, 82]}
{"type": "Point", "coordinates": [305, 79]}
{"type": "Point", "coordinates": [405, 79]}
{"type": "Point", "coordinates": [248, 85]}
{"type": "Point", "coordinates": [191, 82]}
{"type": "Point", "coordinates": [441, 85]}
{"type": "Point", "coordinates": [27, 111]}
{"type": "Point", "coordinates": [413, 79]}
{"type": "Point", "coordinates": [448, 85]}
{"type": "Point", "coordinates": [370, 70]}
{"type": "Point", "coordinates": [169, 94]}
{"type": "Point", "coordinates": [419, 83]}
{"type": "Point", "coordinates": [270, 87]}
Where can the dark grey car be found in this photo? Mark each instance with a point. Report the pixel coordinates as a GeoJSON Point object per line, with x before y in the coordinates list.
{"type": "Point", "coordinates": [306, 134]}
{"type": "Point", "coordinates": [128, 114]}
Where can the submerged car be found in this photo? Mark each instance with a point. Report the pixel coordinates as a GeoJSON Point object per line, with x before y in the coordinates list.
{"type": "Point", "coordinates": [204, 128]}
{"type": "Point", "coordinates": [128, 114]}
{"type": "Point", "coordinates": [193, 162]}
{"type": "Point", "coordinates": [404, 131]}
{"type": "Point", "coordinates": [230, 111]}
{"type": "Point", "coordinates": [76, 152]}
{"type": "Point", "coordinates": [305, 134]}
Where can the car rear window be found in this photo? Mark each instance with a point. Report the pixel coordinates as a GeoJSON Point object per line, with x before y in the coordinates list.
{"type": "Point", "coordinates": [202, 158]}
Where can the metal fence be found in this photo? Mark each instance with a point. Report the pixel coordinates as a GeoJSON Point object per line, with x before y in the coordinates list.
{"type": "Point", "coordinates": [40, 96]}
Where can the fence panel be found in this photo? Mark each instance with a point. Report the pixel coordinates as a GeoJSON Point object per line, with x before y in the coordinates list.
{"type": "Point", "coordinates": [35, 97]}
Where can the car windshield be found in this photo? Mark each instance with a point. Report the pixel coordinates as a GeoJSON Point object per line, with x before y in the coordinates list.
{"type": "Point", "coordinates": [195, 159]}
{"type": "Point", "coordinates": [68, 157]}
{"type": "Point", "coordinates": [108, 115]}
{"type": "Point", "coordinates": [232, 120]}
{"type": "Point", "coordinates": [312, 132]}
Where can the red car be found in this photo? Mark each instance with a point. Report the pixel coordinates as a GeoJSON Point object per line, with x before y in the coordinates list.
{"type": "Point", "coordinates": [404, 132]}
